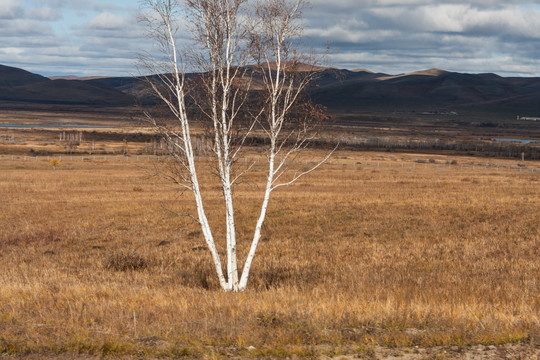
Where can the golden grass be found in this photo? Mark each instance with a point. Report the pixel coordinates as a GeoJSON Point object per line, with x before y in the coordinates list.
{"type": "Point", "coordinates": [371, 249]}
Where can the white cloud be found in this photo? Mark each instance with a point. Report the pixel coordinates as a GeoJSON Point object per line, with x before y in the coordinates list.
{"type": "Point", "coordinates": [435, 18]}
{"type": "Point", "coordinates": [462, 19]}
{"type": "Point", "coordinates": [11, 51]}
{"type": "Point", "coordinates": [107, 21]}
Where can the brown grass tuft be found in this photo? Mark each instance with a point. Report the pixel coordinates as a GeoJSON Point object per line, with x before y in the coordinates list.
{"type": "Point", "coordinates": [126, 262]}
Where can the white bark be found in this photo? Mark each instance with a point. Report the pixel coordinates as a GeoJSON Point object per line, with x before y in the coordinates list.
{"type": "Point", "coordinates": [258, 226]}
{"type": "Point", "coordinates": [224, 41]}
{"type": "Point", "coordinates": [277, 28]}
{"type": "Point", "coordinates": [166, 34]}
{"type": "Point", "coordinates": [221, 34]}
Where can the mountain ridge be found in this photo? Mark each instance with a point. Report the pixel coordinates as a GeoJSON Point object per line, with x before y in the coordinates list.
{"type": "Point", "coordinates": [340, 90]}
{"type": "Point", "coordinates": [21, 86]}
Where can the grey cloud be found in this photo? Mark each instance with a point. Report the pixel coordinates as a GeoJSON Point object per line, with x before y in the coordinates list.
{"type": "Point", "coordinates": [462, 19]}
{"type": "Point", "coordinates": [21, 28]}
{"type": "Point", "coordinates": [373, 3]}
{"type": "Point", "coordinates": [382, 35]}
{"type": "Point", "coordinates": [97, 6]}
{"type": "Point", "coordinates": [407, 35]}
{"type": "Point", "coordinates": [10, 9]}
{"type": "Point", "coordinates": [45, 13]}
{"type": "Point", "coordinates": [105, 44]}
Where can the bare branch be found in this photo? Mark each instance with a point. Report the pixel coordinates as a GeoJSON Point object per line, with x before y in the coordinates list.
{"type": "Point", "coordinates": [181, 214]}
{"type": "Point", "coordinates": [300, 174]}
{"type": "Point", "coordinates": [250, 74]}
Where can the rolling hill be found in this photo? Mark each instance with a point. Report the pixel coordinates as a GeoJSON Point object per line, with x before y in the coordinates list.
{"type": "Point", "coordinates": [13, 77]}
{"type": "Point", "coordinates": [21, 86]}
{"type": "Point", "coordinates": [341, 91]}
{"type": "Point", "coordinates": [430, 90]}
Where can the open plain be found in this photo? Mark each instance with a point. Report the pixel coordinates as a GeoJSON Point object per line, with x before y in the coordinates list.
{"type": "Point", "coordinates": [376, 254]}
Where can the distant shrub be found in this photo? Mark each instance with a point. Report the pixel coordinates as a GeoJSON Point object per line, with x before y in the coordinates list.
{"type": "Point", "coordinates": [126, 262]}
{"type": "Point", "coordinates": [487, 124]}
{"type": "Point", "coordinates": [54, 163]}
{"type": "Point", "coordinates": [39, 152]}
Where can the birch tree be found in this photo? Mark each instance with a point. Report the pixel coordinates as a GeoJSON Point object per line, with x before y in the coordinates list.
{"type": "Point", "coordinates": [232, 45]}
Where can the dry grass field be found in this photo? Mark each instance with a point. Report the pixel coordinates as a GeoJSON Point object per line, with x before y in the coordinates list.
{"type": "Point", "coordinates": [373, 249]}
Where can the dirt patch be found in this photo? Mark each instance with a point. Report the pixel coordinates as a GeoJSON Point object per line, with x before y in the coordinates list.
{"type": "Point", "coordinates": [474, 352]}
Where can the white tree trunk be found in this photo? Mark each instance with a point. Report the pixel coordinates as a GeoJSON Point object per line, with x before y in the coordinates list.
{"type": "Point", "coordinates": [260, 221]}
{"type": "Point", "coordinates": [226, 37]}
{"type": "Point", "coordinates": [209, 239]}
{"type": "Point", "coordinates": [232, 265]}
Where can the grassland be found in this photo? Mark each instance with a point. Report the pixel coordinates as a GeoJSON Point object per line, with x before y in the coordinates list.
{"type": "Point", "coordinates": [374, 249]}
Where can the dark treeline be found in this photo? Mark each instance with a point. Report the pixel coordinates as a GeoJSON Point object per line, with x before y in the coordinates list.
{"type": "Point", "coordinates": [487, 148]}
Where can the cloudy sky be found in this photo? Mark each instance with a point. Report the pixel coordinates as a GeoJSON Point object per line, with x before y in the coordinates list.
{"type": "Point", "coordinates": [83, 37]}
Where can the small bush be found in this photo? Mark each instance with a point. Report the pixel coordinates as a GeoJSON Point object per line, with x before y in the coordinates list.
{"type": "Point", "coordinates": [54, 163]}
{"type": "Point", "coordinates": [39, 152]}
{"type": "Point", "coordinates": [126, 262]}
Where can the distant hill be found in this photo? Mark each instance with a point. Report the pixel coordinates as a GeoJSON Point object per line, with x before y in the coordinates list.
{"type": "Point", "coordinates": [73, 77]}
{"type": "Point", "coordinates": [341, 91]}
{"type": "Point", "coordinates": [11, 77]}
{"type": "Point", "coordinates": [428, 90]}
{"type": "Point", "coordinates": [21, 86]}
{"type": "Point", "coordinates": [133, 86]}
